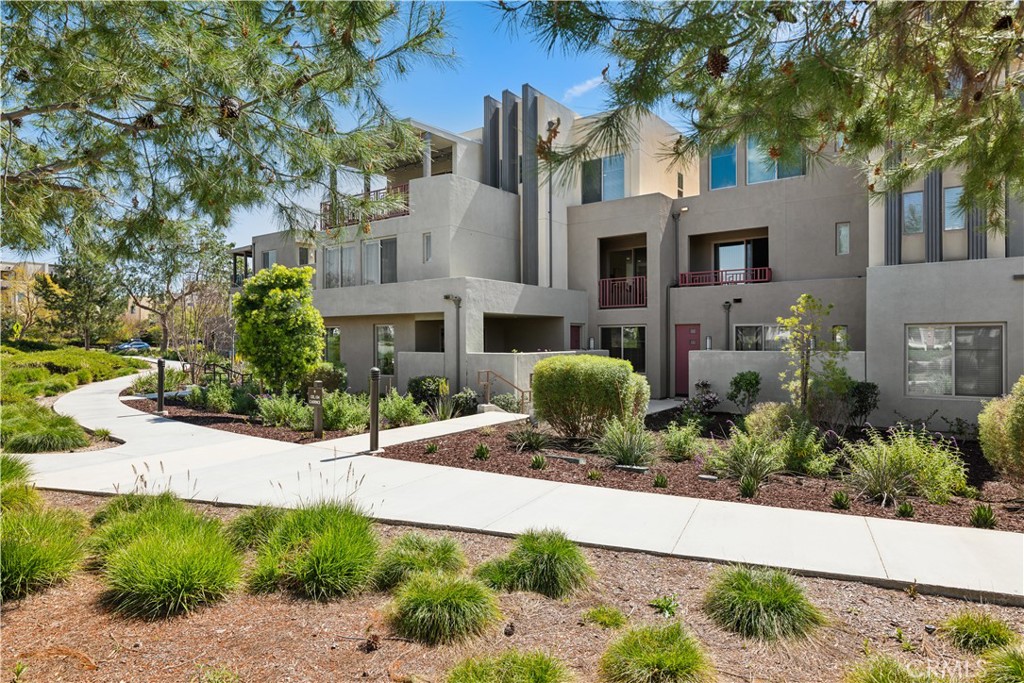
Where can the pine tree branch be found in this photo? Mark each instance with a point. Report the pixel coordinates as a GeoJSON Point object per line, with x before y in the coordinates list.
{"type": "Point", "coordinates": [19, 114]}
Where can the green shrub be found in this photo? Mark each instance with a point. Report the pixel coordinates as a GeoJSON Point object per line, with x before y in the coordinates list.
{"type": "Point", "coordinates": [128, 518]}
{"type": "Point", "coordinates": [334, 377]}
{"type": "Point", "coordinates": [595, 475]}
{"type": "Point", "coordinates": [57, 386]}
{"type": "Point", "coordinates": [905, 509]}
{"type": "Point", "coordinates": [26, 374]}
{"type": "Point", "coordinates": [401, 411]}
{"type": "Point", "coordinates": [538, 462]}
{"type": "Point", "coordinates": [83, 376]}
{"type": "Point", "coordinates": [285, 411]}
{"type": "Point", "coordinates": [426, 389]}
{"type": "Point", "coordinates": [578, 394]}
{"type": "Point", "coordinates": [173, 569]}
{"type": "Point", "coordinates": [219, 398]}
{"type": "Point", "coordinates": [510, 403]}
{"type": "Point", "coordinates": [660, 481]}
{"type": "Point", "coordinates": [771, 420]}
{"type": "Point", "coordinates": [510, 667]}
{"type": "Point", "coordinates": [975, 631]}
{"type": "Point", "coordinates": [766, 604]}
{"type": "Point", "coordinates": [544, 562]}
{"type": "Point", "coordinates": [745, 456]}
{"type": "Point", "coordinates": [665, 605]}
{"type": "Point", "coordinates": [243, 399]}
{"type": "Point", "coordinates": [749, 486]}
{"type": "Point", "coordinates": [346, 412]}
{"type": "Point", "coordinates": [481, 452]}
{"type": "Point", "coordinates": [803, 451]}
{"type": "Point", "coordinates": [252, 528]}
{"type": "Point", "coordinates": [983, 517]}
{"type": "Point", "coordinates": [414, 552]}
{"type": "Point", "coordinates": [38, 548]}
{"type": "Point", "coordinates": [465, 402]}
{"type": "Point", "coordinates": [32, 428]}
{"type": "Point", "coordinates": [527, 439]}
{"type": "Point", "coordinates": [681, 443]}
{"type": "Point", "coordinates": [431, 448]}
{"type": "Point", "coordinates": [174, 379]}
{"type": "Point", "coordinates": [863, 400]}
{"type": "Point", "coordinates": [440, 608]}
{"type": "Point", "coordinates": [1005, 665]}
{"type": "Point", "coordinates": [840, 500]}
{"type": "Point", "coordinates": [626, 443]}
{"type": "Point", "coordinates": [605, 616]}
{"type": "Point", "coordinates": [744, 388]}
{"type": "Point", "coordinates": [907, 462]}
{"type": "Point", "coordinates": [886, 669]}
{"type": "Point", "coordinates": [19, 495]}
{"type": "Point", "coordinates": [667, 654]}
{"type": "Point", "coordinates": [196, 398]}
{"type": "Point", "coordinates": [13, 469]}
{"type": "Point", "coordinates": [321, 550]}
{"type": "Point", "coordinates": [1001, 433]}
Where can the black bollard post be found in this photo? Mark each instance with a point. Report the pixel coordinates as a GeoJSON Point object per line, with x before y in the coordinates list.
{"type": "Point", "coordinates": [374, 410]}
{"type": "Point", "coordinates": [160, 386]}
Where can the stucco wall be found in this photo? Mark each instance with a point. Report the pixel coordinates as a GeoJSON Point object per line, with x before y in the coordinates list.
{"type": "Point", "coordinates": [976, 291]}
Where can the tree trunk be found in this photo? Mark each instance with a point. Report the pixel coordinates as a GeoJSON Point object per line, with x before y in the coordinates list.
{"type": "Point", "coordinates": [164, 334]}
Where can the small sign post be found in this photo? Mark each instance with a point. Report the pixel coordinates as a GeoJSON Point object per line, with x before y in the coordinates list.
{"type": "Point", "coordinates": [374, 410]}
{"type": "Point", "coordinates": [315, 400]}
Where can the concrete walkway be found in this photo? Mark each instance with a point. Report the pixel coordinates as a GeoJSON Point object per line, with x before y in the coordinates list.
{"type": "Point", "coordinates": [217, 466]}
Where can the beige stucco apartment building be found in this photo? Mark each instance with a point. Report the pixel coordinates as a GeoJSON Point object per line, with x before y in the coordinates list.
{"type": "Point", "coordinates": [489, 267]}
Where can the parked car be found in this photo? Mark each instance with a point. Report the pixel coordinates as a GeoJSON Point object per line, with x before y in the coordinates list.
{"type": "Point", "coordinates": [136, 345]}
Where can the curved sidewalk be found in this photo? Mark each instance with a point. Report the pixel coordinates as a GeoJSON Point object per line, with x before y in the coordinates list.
{"type": "Point", "coordinates": [217, 466]}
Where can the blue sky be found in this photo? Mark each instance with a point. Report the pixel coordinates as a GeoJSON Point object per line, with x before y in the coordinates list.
{"type": "Point", "coordinates": [491, 60]}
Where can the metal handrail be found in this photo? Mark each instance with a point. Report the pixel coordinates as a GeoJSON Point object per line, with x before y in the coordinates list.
{"type": "Point", "coordinates": [733, 276]}
{"type": "Point", "coordinates": [229, 372]}
{"type": "Point", "coordinates": [525, 395]}
{"type": "Point", "coordinates": [326, 212]}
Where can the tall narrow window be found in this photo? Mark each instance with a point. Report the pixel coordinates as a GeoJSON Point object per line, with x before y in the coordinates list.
{"type": "Point", "coordinates": [371, 263]}
{"type": "Point", "coordinates": [427, 248]}
{"type": "Point", "coordinates": [842, 239]}
{"type": "Point", "coordinates": [913, 213]}
{"type": "Point", "coordinates": [604, 179]}
{"type": "Point", "coordinates": [380, 261]}
{"type": "Point", "coordinates": [332, 346]}
{"type": "Point", "coordinates": [723, 167]}
{"type": "Point", "coordinates": [304, 254]}
{"type": "Point", "coordinates": [348, 266]}
{"type": "Point", "coordinates": [332, 267]}
{"type": "Point", "coordinates": [384, 348]}
{"type": "Point", "coordinates": [952, 215]}
{"type": "Point", "coordinates": [269, 258]}
{"type": "Point", "coordinates": [680, 185]}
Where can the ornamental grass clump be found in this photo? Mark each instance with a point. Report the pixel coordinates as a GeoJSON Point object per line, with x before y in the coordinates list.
{"type": "Point", "coordinates": [252, 528]}
{"type": "Point", "coordinates": [745, 456]}
{"type": "Point", "coordinates": [510, 667]}
{"type": "Point", "coordinates": [38, 548]}
{"type": "Point", "coordinates": [441, 609]}
{"type": "Point", "coordinates": [888, 467]}
{"type": "Point", "coordinates": [766, 604]}
{"type": "Point", "coordinates": [32, 428]}
{"type": "Point", "coordinates": [16, 493]}
{"type": "Point", "coordinates": [527, 439]}
{"type": "Point", "coordinates": [544, 562]}
{"type": "Point", "coordinates": [1001, 433]}
{"type": "Point", "coordinates": [126, 518]}
{"type": "Point", "coordinates": [681, 442]}
{"type": "Point", "coordinates": [976, 632]}
{"type": "Point", "coordinates": [666, 654]}
{"type": "Point", "coordinates": [415, 552]}
{"type": "Point", "coordinates": [627, 443]}
{"type": "Point", "coordinates": [1004, 665]}
{"type": "Point", "coordinates": [321, 551]}
{"type": "Point", "coordinates": [886, 669]}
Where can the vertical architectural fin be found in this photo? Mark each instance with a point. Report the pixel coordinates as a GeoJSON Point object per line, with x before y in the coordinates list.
{"type": "Point", "coordinates": [977, 238]}
{"type": "Point", "coordinates": [530, 211]}
{"type": "Point", "coordinates": [933, 216]}
{"type": "Point", "coordinates": [510, 142]}
{"type": "Point", "coordinates": [492, 141]}
{"type": "Point", "coordinates": [893, 225]}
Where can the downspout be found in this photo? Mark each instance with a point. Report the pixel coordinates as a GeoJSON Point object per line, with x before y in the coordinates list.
{"type": "Point", "coordinates": [669, 378]}
{"type": "Point", "coordinates": [551, 228]}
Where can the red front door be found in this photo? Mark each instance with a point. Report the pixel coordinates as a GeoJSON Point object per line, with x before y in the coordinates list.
{"type": "Point", "coordinates": [687, 339]}
{"type": "Point", "coordinates": [575, 337]}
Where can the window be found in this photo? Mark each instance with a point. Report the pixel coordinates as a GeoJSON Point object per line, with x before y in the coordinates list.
{"type": "Point", "coordinates": [723, 167]}
{"type": "Point", "coordinates": [269, 258]}
{"type": "Point", "coordinates": [384, 348]}
{"type": "Point", "coordinates": [680, 185]}
{"type": "Point", "coordinates": [131, 309]}
{"type": "Point", "coordinates": [758, 337]}
{"type": "Point", "coordinates": [913, 213]}
{"type": "Point", "coordinates": [348, 266]}
{"type": "Point", "coordinates": [332, 346]}
{"type": "Point", "coordinates": [380, 262]}
{"type": "Point", "coordinates": [741, 255]}
{"type": "Point", "coordinates": [952, 215]}
{"type": "Point", "coordinates": [842, 239]}
{"type": "Point", "coordinates": [427, 248]}
{"type": "Point", "coordinates": [762, 168]}
{"type": "Point", "coordinates": [304, 254]}
{"type": "Point", "coordinates": [628, 343]}
{"type": "Point", "coordinates": [841, 336]}
{"type": "Point", "coordinates": [954, 360]}
{"type": "Point", "coordinates": [332, 267]}
{"type": "Point", "coordinates": [627, 263]}
{"type": "Point", "coordinates": [604, 179]}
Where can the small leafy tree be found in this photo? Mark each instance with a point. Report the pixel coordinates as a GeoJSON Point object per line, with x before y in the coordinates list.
{"type": "Point", "coordinates": [279, 331]}
{"type": "Point", "coordinates": [83, 294]}
{"type": "Point", "coordinates": [802, 342]}
{"type": "Point", "coordinates": [744, 389]}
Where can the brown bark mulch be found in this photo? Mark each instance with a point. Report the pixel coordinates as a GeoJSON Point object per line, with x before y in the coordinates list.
{"type": "Point", "coordinates": [65, 634]}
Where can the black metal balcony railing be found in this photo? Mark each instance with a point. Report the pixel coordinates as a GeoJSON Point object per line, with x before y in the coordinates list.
{"type": "Point", "coordinates": [326, 222]}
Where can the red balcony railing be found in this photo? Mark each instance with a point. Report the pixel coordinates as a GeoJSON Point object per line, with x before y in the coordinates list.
{"type": "Point", "coordinates": [375, 195]}
{"type": "Point", "coordinates": [622, 292]}
{"type": "Point", "coordinates": [735, 276]}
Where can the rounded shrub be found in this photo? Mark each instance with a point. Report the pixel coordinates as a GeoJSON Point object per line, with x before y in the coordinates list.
{"type": "Point", "coordinates": [770, 420]}
{"type": "Point", "coordinates": [544, 562]}
{"type": "Point", "coordinates": [344, 411]}
{"type": "Point", "coordinates": [252, 528]}
{"type": "Point", "coordinates": [975, 631]}
{"type": "Point", "coordinates": [129, 518]}
{"type": "Point", "coordinates": [172, 570]}
{"type": "Point", "coordinates": [125, 503]}
{"type": "Point", "coordinates": [666, 654]}
{"type": "Point", "coordinates": [439, 608]}
{"type": "Point", "coordinates": [1005, 665]}
{"type": "Point", "coordinates": [31, 428]}
{"type": "Point", "coordinates": [510, 667]}
{"type": "Point", "coordinates": [38, 548]}
{"type": "Point", "coordinates": [577, 394]}
{"type": "Point", "coordinates": [766, 604]}
{"type": "Point", "coordinates": [1001, 432]}
{"type": "Point", "coordinates": [415, 552]}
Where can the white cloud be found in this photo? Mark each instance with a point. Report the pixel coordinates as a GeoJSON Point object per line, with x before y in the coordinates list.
{"type": "Point", "coordinates": [582, 88]}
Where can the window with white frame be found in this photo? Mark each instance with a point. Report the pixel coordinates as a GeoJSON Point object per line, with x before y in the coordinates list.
{"type": "Point", "coordinates": [628, 343]}
{"type": "Point", "coordinates": [842, 239]}
{"type": "Point", "coordinates": [269, 258]}
{"type": "Point", "coordinates": [761, 167]}
{"type": "Point", "coordinates": [428, 252]}
{"type": "Point", "coordinates": [952, 214]}
{"type": "Point", "coordinates": [604, 179]}
{"type": "Point", "coordinates": [384, 348]}
{"type": "Point", "coordinates": [954, 360]}
{"type": "Point", "coordinates": [913, 213]}
{"type": "Point", "coordinates": [758, 337]}
{"type": "Point", "coordinates": [722, 167]}
{"type": "Point", "coordinates": [380, 261]}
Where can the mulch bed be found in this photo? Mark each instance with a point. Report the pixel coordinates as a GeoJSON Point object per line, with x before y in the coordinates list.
{"type": "Point", "coordinates": [65, 633]}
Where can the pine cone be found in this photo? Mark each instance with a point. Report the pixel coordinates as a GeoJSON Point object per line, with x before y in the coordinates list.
{"type": "Point", "coordinates": [22, 76]}
{"type": "Point", "coordinates": [230, 108]}
{"type": "Point", "coordinates": [718, 63]}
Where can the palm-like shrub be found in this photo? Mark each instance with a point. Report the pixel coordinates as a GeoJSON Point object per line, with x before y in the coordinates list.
{"type": "Point", "coordinates": [544, 562]}
{"type": "Point", "coordinates": [667, 654]}
{"type": "Point", "coordinates": [1005, 665]}
{"type": "Point", "coordinates": [38, 548]}
{"type": "Point", "coordinates": [1001, 432]}
{"type": "Point", "coordinates": [527, 439]}
{"type": "Point", "coordinates": [252, 528]}
{"type": "Point", "coordinates": [441, 608]}
{"type": "Point", "coordinates": [510, 667]}
{"type": "Point", "coordinates": [886, 669]}
{"type": "Point", "coordinates": [975, 631]}
{"type": "Point", "coordinates": [401, 411]}
{"type": "Point", "coordinates": [627, 443]}
{"type": "Point", "coordinates": [415, 552]}
{"type": "Point", "coordinates": [766, 604]}
{"type": "Point", "coordinates": [746, 457]}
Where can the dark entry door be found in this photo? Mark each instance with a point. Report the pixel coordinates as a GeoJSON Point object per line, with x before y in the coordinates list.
{"type": "Point", "coordinates": [687, 339]}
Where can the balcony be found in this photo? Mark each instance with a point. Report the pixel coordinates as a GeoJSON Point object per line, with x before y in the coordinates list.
{"type": "Point", "coordinates": [736, 276]}
{"type": "Point", "coordinates": [400, 191]}
{"type": "Point", "coordinates": [622, 292]}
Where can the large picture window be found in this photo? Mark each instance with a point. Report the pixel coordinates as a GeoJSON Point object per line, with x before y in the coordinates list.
{"type": "Point", "coordinates": [954, 360]}
{"type": "Point", "coordinates": [628, 343]}
{"type": "Point", "coordinates": [913, 213]}
{"type": "Point", "coordinates": [380, 261]}
{"type": "Point", "coordinates": [384, 348]}
{"type": "Point", "coordinates": [604, 179]}
{"type": "Point", "coordinates": [723, 167]}
{"type": "Point", "coordinates": [762, 168]}
{"type": "Point", "coordinates": [758, 338]}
